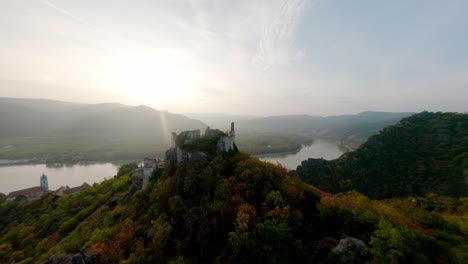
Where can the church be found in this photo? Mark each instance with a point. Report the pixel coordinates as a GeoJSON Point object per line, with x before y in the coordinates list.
{"type": "Point", "coordinates": [31, 193]}
{"type": "Point", "coordinates": [38, 191]}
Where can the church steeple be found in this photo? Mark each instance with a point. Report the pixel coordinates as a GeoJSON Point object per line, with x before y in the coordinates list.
{"type": "Point", "coordinates": [44, 183]}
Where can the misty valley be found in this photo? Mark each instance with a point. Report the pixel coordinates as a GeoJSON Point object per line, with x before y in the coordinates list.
{"type": "Point", "coordinates": [217, 131]}
{"type": "Point", "coordinates": [376, 186]}
{"type": "Point", "coordinates": [54, 132]}
{"type": "Point", "coordinates": [62, 134]}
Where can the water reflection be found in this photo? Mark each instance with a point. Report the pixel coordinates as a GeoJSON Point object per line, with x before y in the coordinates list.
{"type": "Point", "coordinates": [319, 149]}
{"type": "Point", "coordinates": [69, 165]}
{"type": "Point", "coordinates": [18, 177]}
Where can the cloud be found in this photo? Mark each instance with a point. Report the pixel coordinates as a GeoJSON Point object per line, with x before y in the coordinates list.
{"type": "Point", "coordinates": [258, 34]}
{"type": "Point", "coordinates": [102, 32]}
{"type": "Point", "coordinates": [248, 56]}
{"type": "Point", "coordinates": [63, 11]}
{"type": "Point", "coordinates": [277, 42]}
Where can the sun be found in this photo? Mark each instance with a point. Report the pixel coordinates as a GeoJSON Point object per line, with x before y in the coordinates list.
{"type": "Point", "coordinates": [158, 77]}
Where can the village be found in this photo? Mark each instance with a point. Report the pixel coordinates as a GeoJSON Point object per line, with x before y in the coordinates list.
{"type": "Point", "coordinates": [43, 188]}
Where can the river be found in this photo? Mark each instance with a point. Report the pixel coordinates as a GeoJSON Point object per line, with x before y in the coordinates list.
{"type": "Point", "coordinates": [319, 149]}
{"type": "Point", "coordinates": [16, 177]}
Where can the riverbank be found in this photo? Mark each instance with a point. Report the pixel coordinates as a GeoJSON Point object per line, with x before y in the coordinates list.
{"type": "Point", "coordinates": [321, 148]}
{"type": "Point", "coordinates": [8, 163]}
{"type": "Point", "coordinates": [17, 177]}
{"type": "Point", "coordinates": [4, 162]}
{"type": "Point", "coordinates": [278, 153]}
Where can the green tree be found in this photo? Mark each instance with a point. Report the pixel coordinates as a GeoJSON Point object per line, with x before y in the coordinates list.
{"type": "Point", "coordinates": [388, 244]}
{"type": "Point", "coordinates": [272, 242]}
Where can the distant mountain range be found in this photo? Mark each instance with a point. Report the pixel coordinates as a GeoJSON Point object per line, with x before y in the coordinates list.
{"type": "Point", "coordinates": [33, 117]}
{"type": "Point", "coordinates": [55, 131]}
{"type": "Point", "coordinates": [47, 129]}
{"type": "Point", "coordinates": [220, 121]}
{"type": "Point", "coordinates": [297, 123]}
{"type": "Point", "coordinates": [258, 135]}
{"type": "Point", "coordinates": [337, 125]}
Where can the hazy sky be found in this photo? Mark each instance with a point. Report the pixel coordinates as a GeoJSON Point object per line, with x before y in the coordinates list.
{"type": "Point", "coordinates": [241, 57]}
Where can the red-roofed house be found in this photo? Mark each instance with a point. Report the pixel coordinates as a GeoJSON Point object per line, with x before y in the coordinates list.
{"type": "Point", "coordinates": [60, 190]}
{"type": "Point", "coordinates": [31, 193]}
{"type": "Point", "coordinates": [75, 189]}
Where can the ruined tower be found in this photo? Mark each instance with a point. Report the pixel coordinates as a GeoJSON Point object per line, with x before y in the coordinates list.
{"type": "Point", "coordinates": [231, 133]}
{"type": "Point", "coordinates": [43, 183]}
{"type": "Point", "coordinates": [227, 142]}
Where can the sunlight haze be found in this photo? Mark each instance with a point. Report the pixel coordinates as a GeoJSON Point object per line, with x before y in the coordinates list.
{"type": "Point", "coordinates": [239, 57]}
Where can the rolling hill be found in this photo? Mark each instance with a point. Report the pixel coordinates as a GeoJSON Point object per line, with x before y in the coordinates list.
{"type": "Point", "coordinates": [290, 132]}
{"type": "Point", "coordinates": [49, 130]}
{"type": "Point", "coordinates": [60, 132]}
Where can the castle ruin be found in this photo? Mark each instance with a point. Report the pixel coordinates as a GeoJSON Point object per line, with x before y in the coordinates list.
{"type": "Point", "coordinates": [181, 150]}
{"type": "Point", "coordinates": [184, 149]}
{"type": "Point", "coordinates": [226, 143]}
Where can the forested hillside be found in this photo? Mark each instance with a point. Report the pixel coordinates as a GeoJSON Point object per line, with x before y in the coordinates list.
{"type": "Point", "coordinates": [422, 154]}
{"type": "Point", "coordinates": [231, 209]}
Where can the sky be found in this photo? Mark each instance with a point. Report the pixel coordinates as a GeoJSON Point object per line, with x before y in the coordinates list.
{"type": "Point", "coordinates": [249, 57]}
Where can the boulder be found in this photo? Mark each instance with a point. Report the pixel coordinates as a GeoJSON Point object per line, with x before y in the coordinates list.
{"type": "Point", "coordinates": [353, 244]}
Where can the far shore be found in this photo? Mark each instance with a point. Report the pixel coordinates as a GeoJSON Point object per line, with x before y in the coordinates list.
{"type": "Point", "coordinates": [278, 153]}
{"type": "Point", "coordinates": [6, 163]}
{"type": "Point", "coordinates": [36, 161]}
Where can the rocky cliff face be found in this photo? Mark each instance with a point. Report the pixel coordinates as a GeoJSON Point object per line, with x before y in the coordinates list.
{"type": "Point", "coordinates": [79, 258]}
{"type": "Point", "coordinates": [175, 156]}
